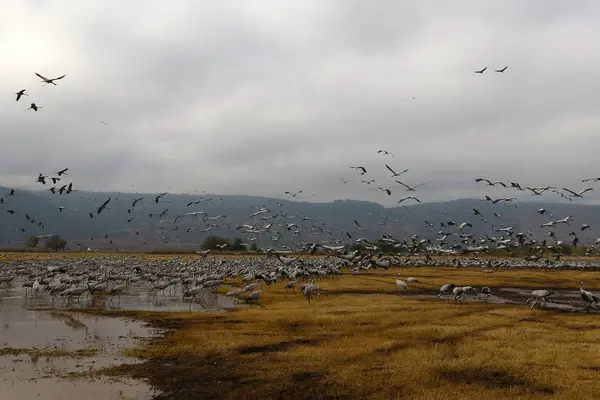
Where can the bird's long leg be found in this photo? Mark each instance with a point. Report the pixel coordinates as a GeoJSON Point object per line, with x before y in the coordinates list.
{"type": "Point", "coordinates": [534, 303]}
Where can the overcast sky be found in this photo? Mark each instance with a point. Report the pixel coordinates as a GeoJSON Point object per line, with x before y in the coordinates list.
{"type": "Point", "coordinates": [263, 97]}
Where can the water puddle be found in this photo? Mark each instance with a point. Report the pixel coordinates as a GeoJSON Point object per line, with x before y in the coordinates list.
{"type": "Point", "coordinates": [135, 298]}
{"type": "Point", "coordinates": [55, 354]}
{"type": "Point", "coordinates": [49, 378]}
{"type": "Point", "coordinates": [560, 300]}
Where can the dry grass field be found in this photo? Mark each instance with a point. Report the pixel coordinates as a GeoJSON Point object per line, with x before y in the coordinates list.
{"type": "Point", "coordinates": [363, 341]}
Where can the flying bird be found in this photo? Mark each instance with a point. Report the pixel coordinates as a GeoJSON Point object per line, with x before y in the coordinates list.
{"type": "Point", "coordinates": [47, 81]}
{"type": "Point", "coordinates": [388, 191]}
{"type": "Point", "coordinates": [385, 152]}
{"type": "Point", "coordinates": [408, 198]}
{"type": "Point", "coordinates": [103, 206]}
{"type": "Point", "coordinates": [21, 93]}
{"type": "Point", "coordinates": [410, 188]}
{"type": "Point", "coordinates": [33, 107]}
{"type": "Point", "coordinates": [501, 70]}
{"type": "Point", "coordinates": [135, 201]}
{"type": "Point", "coordinates": [363, 169]}
{"type": "Point", "coordinates": [62, 172]}
{"type": "Point", "coordinates": [480, 71]}
{"type": "Point", "coordinates": [591, 180]}
{"type": "Point", "coordinates": [157, 198]}
{"type": "Point", "coordinates": [577, 194]}
{"type": "Point", "coordinates": [194, 202]}
{"type": "Point", "coordinates": [394, 172]}
{"type": "Point", "coordinates": [294, 194]}
{"type": "Point", "coordinates": [490, 183]}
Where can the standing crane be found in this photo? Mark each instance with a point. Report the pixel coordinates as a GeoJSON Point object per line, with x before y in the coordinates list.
{"type": "Point", "coordinates": [539, 295]}
{"type": "Point", "coordinates": [589, 297]}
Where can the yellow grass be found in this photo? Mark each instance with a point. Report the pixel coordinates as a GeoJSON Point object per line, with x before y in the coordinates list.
{"type": "Point", "coordinates": [354, 344]}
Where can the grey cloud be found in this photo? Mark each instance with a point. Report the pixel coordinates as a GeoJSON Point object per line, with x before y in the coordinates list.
{"type": "Point", "coordinates": [261, 97]}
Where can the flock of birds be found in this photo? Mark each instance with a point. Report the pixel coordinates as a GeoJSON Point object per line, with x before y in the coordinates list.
{"type": "Point", "coordinates": [46, 81]}
{"type": "Point", "coordinates": [270, 223]}
{"type": "Point", "coordinates": [198, 279]}
{"type": "Point", "coordinates": [356, 248]}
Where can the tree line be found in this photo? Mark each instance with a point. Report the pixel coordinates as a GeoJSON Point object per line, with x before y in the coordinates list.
{"type": "Point", "coordinates": [54, 242]}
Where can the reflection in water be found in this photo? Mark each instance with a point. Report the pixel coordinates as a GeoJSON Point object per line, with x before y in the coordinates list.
{"type": "Point", "coordinates": [39, 324]}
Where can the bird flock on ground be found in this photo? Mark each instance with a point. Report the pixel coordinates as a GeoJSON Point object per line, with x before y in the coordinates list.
{"type": "Point", "coordinates": [64, 282]}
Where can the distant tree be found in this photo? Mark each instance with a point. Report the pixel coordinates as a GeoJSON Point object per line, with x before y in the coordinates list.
{"type": "Point", "coordinates": [32, 241]}
{"type": "Point", "coordinates": [212, 242]}
{"type": "Point", "coordinates": [55, 243]}
{"type": "Point", "coordinates": [254, 247]}
{"type": "Point", "coordinates": [237, 245]}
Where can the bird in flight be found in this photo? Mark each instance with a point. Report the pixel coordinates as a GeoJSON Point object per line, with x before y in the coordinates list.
{"type": "Point", "coordinates": [21, 93]}
{"type": "Point", "coordinates": [577, 194]}
{"type": "Point", "coordinates": [344, 181]}
{"type": "Point", "coordinates": [410, 188]}
{"type": "Point", "coordinates": [294, 194]}
{"type": "Point", "coordinates": [157, 198]}
{"type": "Point", "coordinates": [408, 198]}
{"type": "Point", "coordinates": [47, 81]}
{"type": "Point", "coordinates": [490, 183]}
{"type": "Point", "coordinates": [501, 70]}
{"type": "Point", "coordinates": [135, 201]}
{"type": "Point", "coordinates": [480, 71]}
{"type": "Point", "coordinates": [103, 206]}
{"type": "Point", "coordinates": [194, 202]}
{"type": "Point", "coordinates": [591, 180]}
{"type": "Point", "coordinates": [387, 190]}
{"type": "Point", "coordinates": [385, 152]}
{"type": "Point", "coordinates": [394, 172]}
{"type": "Point", "coordinates": [363, 169]}
{"type": "Point", "coordinates": [104, 123]}
{"type": "Point", "coordinates": [33, 107]}
{"type": "Point", "coordinates": [62, 172]}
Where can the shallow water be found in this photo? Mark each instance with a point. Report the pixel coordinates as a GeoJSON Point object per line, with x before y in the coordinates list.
{"type": "Point", "coordinates": [560, 300]}
{"type": "Point", "coordinates": [27, 374]}
{"type": "Point", "coordinates": [137, 297]}
{"type": "Point", "coordinates": [49, 378]}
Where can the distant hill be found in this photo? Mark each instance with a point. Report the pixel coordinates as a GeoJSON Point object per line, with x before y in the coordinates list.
{"type": "Point", "coordinates": [292, 221]}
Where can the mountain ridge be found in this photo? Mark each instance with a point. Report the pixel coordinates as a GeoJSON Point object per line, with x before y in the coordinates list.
{"type": "Point", "coordinates": [292, 221]}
